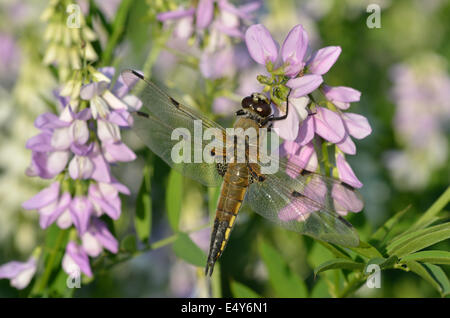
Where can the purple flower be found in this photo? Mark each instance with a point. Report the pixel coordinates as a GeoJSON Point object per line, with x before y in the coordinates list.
{"type": "Point", "coordinates": [19, 273]}
{"type": "Point", "coordinates": [304, 85]}
{"type": "Point", "coordinates": [341, 96]}
{"type": "Point", "coordinates": [322, 60]}
{"type": "Point", "coordinates": [105, 198]}
{"type": "Point", "coordinates": [227, 20]}
{"type": "Point", "coordinates": [346, 173]}
{"type": "Point", "coordinates": [288, 129]}
{"type": "Point", "coordinates": [329, 125]}
{"type": "Point", "coordinates": [204, 13]}
{"type": "Point", "coordinates": [261, 47]}
{"type": "Point", "coordinates": [49, 203]}
{"type": "Point", "coordinates": [81, 210]}
{"type": "Point", "coordinates": [98, 237]}
{"type": "Point", "coordinates": [294, 49]}
{"type": "Point", "coordinates": [76, 261]}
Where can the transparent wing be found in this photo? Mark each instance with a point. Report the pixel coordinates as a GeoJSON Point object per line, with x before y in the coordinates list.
{"type": "Point", "coordinates": [173, 131]}
{"type": "Point", "coordinates": [306, 202]}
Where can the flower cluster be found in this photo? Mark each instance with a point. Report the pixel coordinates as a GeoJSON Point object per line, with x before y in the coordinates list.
{"type": "Point", "coordinates": [216, 32]}
{"type": "Point", "coordinates": [227, 19]}
{"type": "Point", "coordinates": [77, 148]}
{"type": "Point", "coordinates": [298, 78]}
{"type": "Point", "coordinates": [422, 113]}
{"type": "Point", "coordinates": [68, 46]}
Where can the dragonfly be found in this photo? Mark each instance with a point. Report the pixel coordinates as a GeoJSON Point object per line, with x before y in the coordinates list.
{"type": "Point", "coordinates": [292, 197]}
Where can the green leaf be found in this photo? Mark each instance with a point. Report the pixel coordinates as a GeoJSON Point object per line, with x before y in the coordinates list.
{"type": "Point", "coordinates": [404, 238]}
{"type": "Point", "coordinates": [338, 263]}
{"type": "Point", "coordinates": [129, 243]}
{"type": "Point", "coordinates": [335, 250]}
{"type": "Point", "coordinates": [433, 257]}
{"type": "Point", "coordinates": [241, 291]}
{"type": "Point", "coordinates": [420, 242]}
{"type": "Point", "coordinates": [186, 249]}
{"type": "Point", "coordinates": [367, 250]}
{"type": "Point", "coordinates": [437, 207]}
{"type": "Point", "coordinates": [432, 274]}
{"type": "Point", "coordinates": [174, 196]}
{"type": "Point", "coordinates": [286, 283]}
{"type": "Point", "coordinates": [378, 238]}
{"type": "Point", "coordinates": [143, 216]}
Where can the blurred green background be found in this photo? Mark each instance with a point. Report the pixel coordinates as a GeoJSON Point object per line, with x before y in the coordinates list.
{"type": "Point", "coordinates": [402, 71]}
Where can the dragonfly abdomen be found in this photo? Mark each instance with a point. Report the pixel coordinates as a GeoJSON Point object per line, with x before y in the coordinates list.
{"type": "Point", "coordinates": [232, 195]}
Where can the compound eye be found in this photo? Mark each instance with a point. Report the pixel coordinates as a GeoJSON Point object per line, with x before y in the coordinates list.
{"type": "Point", "coordinates": [262, 108]}
{"type": "Point", "coordinates": [247, 102]}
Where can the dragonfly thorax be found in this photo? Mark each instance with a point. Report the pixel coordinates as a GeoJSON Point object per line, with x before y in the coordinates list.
{"type": "Point", "coordinates": [258, 104]}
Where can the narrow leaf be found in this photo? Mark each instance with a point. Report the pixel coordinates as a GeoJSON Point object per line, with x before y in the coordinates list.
{"type": "Point", "coordinates": [174, 196]}
{"type": "Point", "coordinates": [187, 250]}
{"type": "Point", "coordinates": [338, 263]}
{"type": "Point", "coordinates": [432, 274]}
{"type": "Point", "coordinates": [405, 238]}
{"type": "Point", "coordinates": [143, 216]}
{"type": "Point", "coordinates": [433, 257]}
{"type": "Point", "coordinates": [367, 250]}
{"type": "Point", "coordinates": [286, 283]}
{"type": "Point", "coordinates": [421, 242]}
{"type": "Point", "coordinates": [437, 207]}
{"type": "Point", "coordinates": [379, 237]}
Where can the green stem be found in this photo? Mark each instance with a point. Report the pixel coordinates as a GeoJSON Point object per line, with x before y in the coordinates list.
{"type": "Point", "coordinates": [40, 286]}
{"type": "Point", "coordinates": [117, 31]}
{"type": "Point", "coordinates": [352, 285]}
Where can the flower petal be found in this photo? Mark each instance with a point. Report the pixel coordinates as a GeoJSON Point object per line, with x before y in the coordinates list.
{"type": "Point", "coordinates": [346, 200]}
{"type": "Point", "coordinates": [346, 173]}
{"type": "Point", "coordinates": [43, 198]}
{"type": "Point", "coordinates": [175, 14]}
{"type": "Point", "coordinates": [117, 151]}
{"type": "Point", "coordinates": [347, 145]}
{"type": "Point", "coordinates": [323, 59]}
{"type": "Point", "coordinates": [304, 85]}
{"type": "Point", "coordinates": [329, 125]}
{"type": "Point", "coordinates": [341, 94]}
{"type": "Point", "coordinates": [76, 260]}
{"type": "Point", "coordinates": [306, 132]}
{"type": "Point", "coordinates": [204, 13]}
{"type": "Point", "coordinates": [81, 210]}
{"type": "Point", "coordinates": [287, 128]}
{"type": "Point", "coordinates": [260, 44]}
{"type": "Point", "coordinates": [293, 50]}
{"type": "Point", "coordinates": [357, 125]}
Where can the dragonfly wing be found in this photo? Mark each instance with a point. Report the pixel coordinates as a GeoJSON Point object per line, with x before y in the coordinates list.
{"type": "Point", "coordinates": [302, 203]}
{"type": "Point", "coordinates": [163, 123]}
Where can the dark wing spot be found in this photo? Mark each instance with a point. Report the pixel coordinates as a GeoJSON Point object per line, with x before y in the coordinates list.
{"type": "Point", "coordinates": [296, 194]}
{"type": "Point", "coordinates": [177, 104]}
{"type": "Point", "coordinates": [142, 114]}
{"type": "Point", "coordinates": [347, 186]}
{"type": "Point", "coordinates": [345, 221]}
{"type": "Point", "coordinates": [305, 172]}
{"type": "Point", "coordinates": [137, 74]}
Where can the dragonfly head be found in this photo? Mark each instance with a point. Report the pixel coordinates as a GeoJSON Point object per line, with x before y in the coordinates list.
{"type": "Point", "coordinates": [257, 103]}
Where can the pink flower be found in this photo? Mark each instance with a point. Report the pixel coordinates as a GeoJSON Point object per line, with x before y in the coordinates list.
{"type": "Point", "coordinates": [81, 210]}
{"type": "Point", "coordinates": [19, 273]}
{"type": "Point", "coordinates": [49, 203]}
{"type": "Point", "coordinates": [76, 261]}
{"type": "Point", "coordinates": [98, 237]}
{"type": "Point", "coordinates": [341, 96]}
{"type": "Point", "coordinates": [346, 173]}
